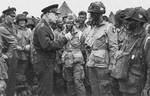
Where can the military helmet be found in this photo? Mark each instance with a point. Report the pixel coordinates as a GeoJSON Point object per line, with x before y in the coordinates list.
{"type": "Point", "coordinates": [121, 15]}
{"type": "Point", "coordinates": [137, 14]}
{"type": "Point", "coordinates": [97, 7]}
{"type": "Point", "coordinates": [21, 17]}
{"type": "Point", "coordinates": [70, 18]}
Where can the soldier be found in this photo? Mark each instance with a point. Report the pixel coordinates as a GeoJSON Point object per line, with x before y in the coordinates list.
{"type": "Point", "coordinates": [84, 28]}
{"type": "Point", "coordinates": [102, 41]}
{"type": "Point", "coordinates": [121, 25]}
{"type": "Point", "coordinates": [82, 16]}
{"type": "Point", "coordinates": [9, 41]}
{"type": "Point", "coordinates": [23, 37]}
{"type": "Point", "coordinates": [59, 83]}
{"type": "Point", "coordinates": [73, 61]}
{"type": "Point", "coordinates": [46, 46]}
{"type": "Point", "coordinates": [133, 56]}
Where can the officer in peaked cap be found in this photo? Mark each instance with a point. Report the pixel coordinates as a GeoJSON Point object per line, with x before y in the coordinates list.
{"type": "Point", "coordinates": [46, 46]}
{"type": "Point", "coordinates": [10, 14]}
{"type": "Point", "coordinates": [52, 8]}
{"type": "Point", "coordinates": [8, 31]}
{"type": "Point", "coordinates": [10, 11]}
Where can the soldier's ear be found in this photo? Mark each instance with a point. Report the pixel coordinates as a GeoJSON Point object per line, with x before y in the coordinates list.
{"type": "Point", "coordinates": [46, 14]}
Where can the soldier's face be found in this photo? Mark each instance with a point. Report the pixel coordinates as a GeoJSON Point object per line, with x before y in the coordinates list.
{"type": "Point", "coordinates": [22, 23]}
{"type": "Point", "coordinates": [82, 18]}
{"type": "Point", "coordinates": [77, 24]}
{"type": "Point", "coordinates": [69, 25]}
{"type": "Point", "coordinates": [131, 25]}
{"type": "Point", "coordinates": [94, 16]}
{"type": "Point", "coordinates": [52, 17]}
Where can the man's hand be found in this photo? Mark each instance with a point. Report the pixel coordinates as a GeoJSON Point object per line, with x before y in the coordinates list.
{"type": "Point", "coordinates": [27, 48]}
{"type": "Point", "coordinates": [19, 48]}
{"type": "Point", "coordinates": [4, 56]}
{"type": "Point", "coordinates": [68, 36]}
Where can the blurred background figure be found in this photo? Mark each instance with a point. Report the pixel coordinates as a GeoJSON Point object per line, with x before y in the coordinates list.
{"type": "Point", "coordinates": [82, 16]}
{"type": "Point", "coordinates": [24, 65]}
{"type": "Point", "coordinates": [25, 13]}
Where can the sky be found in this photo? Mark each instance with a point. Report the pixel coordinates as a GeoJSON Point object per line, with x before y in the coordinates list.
{"type": "Point", "coordinates": [34, 7]}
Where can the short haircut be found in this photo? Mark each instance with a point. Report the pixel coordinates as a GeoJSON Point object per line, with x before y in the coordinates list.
{"type": "Point", "coordinates": [105, 18]}
{"type": "Point", "coordinates": [82, 13]}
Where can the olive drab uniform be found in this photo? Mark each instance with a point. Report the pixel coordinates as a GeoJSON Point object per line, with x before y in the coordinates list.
{"type": "Point", "coordinates": [133, 82]}
{"type": "Point", "coordinates": [73, 66]}
{"type": "Point", "coordinates": [45, 47]}
{"type": "Point", "coordinates": [59, 82]}
{"type": "Point", "coordinates": [103, 43]}
{"type": "Point", "coordinates": [9, 42]}
{"type": "Point", "coordinates": [23, 37]}
{"type": "Point", "coordinates": [3, 71]}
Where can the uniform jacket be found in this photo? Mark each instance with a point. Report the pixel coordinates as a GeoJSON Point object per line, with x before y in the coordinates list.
{"type": "Point", "coordinates": [24, 38]}
{"type": "Point", "coordinates": [8, 34]}
{"type": "Point", "coordinates": [72, 53]}
{"type": "Point", "coordinates": [3, 65]}
{"type": "Point", "coordinates": [138, 64]}
{"type": "Point", "coordinates": [83, 27]}
{"type": "Point", "coordinates": [103, 43]}
{"type": "Point", "coordinates": [43, 40]}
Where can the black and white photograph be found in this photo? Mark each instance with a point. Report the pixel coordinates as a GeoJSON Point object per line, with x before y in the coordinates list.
{"type": "Point", "coordinates": [74, 47]}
